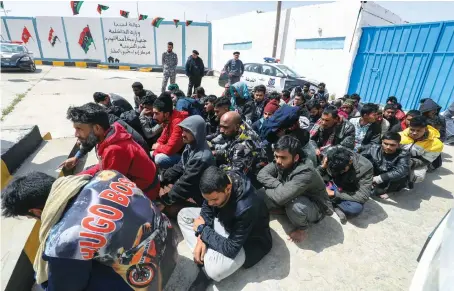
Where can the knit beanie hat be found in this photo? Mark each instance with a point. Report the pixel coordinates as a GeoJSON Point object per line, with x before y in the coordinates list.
{"type": "Point", "coordinates": [349, 102]}
{"type": "Point", "coordinates": [173, 87]}
{"type": "Point", "coordinates": [271, 107]}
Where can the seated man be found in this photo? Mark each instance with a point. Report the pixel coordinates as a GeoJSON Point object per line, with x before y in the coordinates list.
{"type": "Point", "coordinates": [211, 120]}
{"type": "Point", "coordinates": [166, 151]}
{"type": "Point", "coordinates": [231, 229]}
{"type": "Point", "coordinates": [221, 106]}
{"type": "Point", "coordinates": [260, 101]}
{"type": "Point", "coordinates": [431, 111]}
{"type": "Point", "coordinates": [182, 180]}
{"type": "Point", "coordinates": [115, 148]}
{"type": "Point", "coordinates": [139, 92]}
{"type": "Point", "coordinates": [349, 176]}
{"type": "Point", "coordinates": [389, 113]}
{"type": "Point", "coordinates": [242, 102]}
{"type": "Point", "coordinates": [367, 130]}
{"type": "Point", "coordinates": [391, 165]}
{"type": "Point", "coordinates": [242, 150]}
{"type": "Point", "coordinates": [330, 130]}
{"type": "Point", "coordinates": [401, 126]}
{"type": "Point", "coordinates": [268, 111]}
{"type": "Point", "coordinates": [113, 102]}
{"type": "Point", "coordinates": [322, 92]}
{"type": "Point", "coordinates": [91, 232]}
{"type": "Point", "coordinates": [285, 98]}
{"type": "Point", "coordinates": [150, 128]}
{"type": "Point", "coordinates": [315, 112]}
{"type": "Point", "coordinates": [400, 115]}
{"type": "Point", "coordinates": [292, 183]}
{"type": "Point", "coordinates": [424, 144]}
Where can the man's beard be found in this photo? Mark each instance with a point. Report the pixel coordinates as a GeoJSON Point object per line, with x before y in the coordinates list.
{"type": "Point", "coordinates": [91, 141]}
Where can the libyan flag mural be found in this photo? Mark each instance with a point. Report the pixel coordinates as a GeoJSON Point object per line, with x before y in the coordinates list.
{"type": "Point", "coordinates": [86, 39]}
{"type": "Point", "coordinates": [52, 38]}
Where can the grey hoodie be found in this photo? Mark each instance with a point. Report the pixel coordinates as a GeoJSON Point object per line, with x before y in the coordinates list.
{"type": "Point", "coordinates": [195, 159]}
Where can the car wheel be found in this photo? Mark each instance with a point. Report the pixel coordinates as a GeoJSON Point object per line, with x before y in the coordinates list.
{"type": "Point", "coordinates": [32, 68]}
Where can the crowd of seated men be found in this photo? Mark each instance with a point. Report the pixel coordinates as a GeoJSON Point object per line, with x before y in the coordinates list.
{"type": "Point", "coordinates": [220, 166]}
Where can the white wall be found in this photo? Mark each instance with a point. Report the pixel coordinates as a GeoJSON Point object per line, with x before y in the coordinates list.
{"type": "Point", "coordinates": [74, 27]}
{"type": "Point", "coordinates": [129, 40]}
{"type": "Point", "coordinates": [58, 51]}
{"type": "Point", "coordinates": [166, 33]}
{"type": "Point", "coordinates": [195, 40]}
{"type": "Point", "coordinates": [16, 27]}
{"type": "Point", "coordinates": [3, 31]}
{"type": "Point", "coordinates": [256, 27]}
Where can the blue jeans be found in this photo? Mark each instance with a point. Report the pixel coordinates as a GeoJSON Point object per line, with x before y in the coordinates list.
{"type": "Point", "coordinates": [350, 208]}
{"type": "Point", "coordinates": [164, 161]}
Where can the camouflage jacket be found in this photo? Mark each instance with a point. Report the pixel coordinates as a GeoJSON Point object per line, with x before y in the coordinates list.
{"type": "Point", "coordinates": [169, 60]}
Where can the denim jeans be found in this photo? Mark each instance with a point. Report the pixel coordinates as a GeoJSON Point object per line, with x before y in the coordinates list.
{"type": "Point", "coordinates": [350, 208]}
{"type": "Point", "coordinates": [164, 161]}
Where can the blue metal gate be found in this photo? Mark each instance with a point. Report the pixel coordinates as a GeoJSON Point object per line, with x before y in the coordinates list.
{"type": "Point", "coordinates": [411, 62]}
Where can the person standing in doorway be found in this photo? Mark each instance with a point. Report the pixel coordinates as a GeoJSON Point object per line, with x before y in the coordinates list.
{"type": "Point", "coordinates": [169, 66]}
{"type": "Point", "coordinates": [234, 68]}
{"type": "Point", "coordinates": [195, 71]}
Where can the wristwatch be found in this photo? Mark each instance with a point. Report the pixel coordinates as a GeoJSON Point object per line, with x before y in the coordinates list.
{"type": "Point", "coordinates": [199, 229]}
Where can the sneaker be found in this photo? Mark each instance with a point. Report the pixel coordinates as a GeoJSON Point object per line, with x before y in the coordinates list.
{"type": "Point", "coordinates": [200, 283]}
{"type": "Point", "coordinates": [341, 214]}
{"type": "Point", "coordinates": [411, 185]}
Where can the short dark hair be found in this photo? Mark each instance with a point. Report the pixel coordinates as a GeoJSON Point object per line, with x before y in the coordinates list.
{"type": "Point", "coordinates": [369, 108]}
{"type": "Point", "coordinates": [298, 89]}
{"type": "Point", "coordinates": [390, 106]}
{"type": "Point", "coordinates": [393, 99]}
{"type": "Point", "coordinates": [137, 85]}
{"type": "Point", "coordinates": [290, 144]}
{"type": "Point", "coordinates": [179, 93]}
{"type": "Point", "coordinates": [338, 159]}
{"type": "Point", "coordinates": [236, 53]}
{"type": "Point", "coordinates": [274, 96]}
{"type": "Point", "coordinates": [260, 88]}
{"type": "Point", "coordinates": [195, 52]}
{"type": "Point", "coordinates": [419, 121]}
{"type": "Point", "coordinates": [222, 102]}
{"type": "Point", "coordinates": [99, 96]}
{"type": "Point", "coordinates": [90, 113]}
{"type": "Point", "coordinates": [286, 93]}
{"type": "Point", "coordinates": [170, 43]}
{"type": "Point", "coordinates": [200, 90]}
{"type": "Point", "coordinates": [332, 110]}
{"type": "Point", "coordinates": [413, 113]}
{"type": "Point", "coordinates": [355, 96]}
{"type": "Point", "coordinates": [391, 136]}
{"type": "Point", "coordinates": [301, 95]}
{"type": "Point", "coordinates": [322, 84]}
{"type": "Point", "coordinates": [313, 104]}
{"type": "Point", "coordinates": [322, 98]}
{"type": "Point", "coordinates": [307, 85]}
{"type": "Point", "coordinates": [164, 103]}
{"type": "Point", "coordinates": [26, 192]}
{"type": "Point", "coordinates": [211, 98]}
{"type": "Point", "coordinates": [213, 179]}
{"type": "Point", "coordinates": [148, 99]}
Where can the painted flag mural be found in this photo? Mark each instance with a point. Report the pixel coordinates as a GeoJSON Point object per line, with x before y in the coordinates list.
{"type": "Point", "coordinates": [26, 35]}
{"type": "Point", "coordinates": [52, 38]}
{"type": "Point", "coordinates": [1, 5]}
{"type": "Point", "coordinates": [157, 21]}
{"type": "Point", "coordinates": [101, 8]}
{"type": "Point", "coordinates": [125, 14]}
{"type": "Point", "coordinates": [75, 6]}
{"type": "Point", "coordinates": [143, 16]}
{"type": "Point", "coordinates": [86, 39]}
{"type": "Point", "coordinates": [188, 22]}
{"type": "Point", "coordinates": [176, 22]}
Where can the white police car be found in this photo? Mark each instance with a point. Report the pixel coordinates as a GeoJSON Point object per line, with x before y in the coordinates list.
{"type": "Point", "coordinates": [275, 76]}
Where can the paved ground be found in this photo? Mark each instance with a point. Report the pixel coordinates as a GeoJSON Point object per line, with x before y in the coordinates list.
{"type": "Point", "coordinates": [375, 251]}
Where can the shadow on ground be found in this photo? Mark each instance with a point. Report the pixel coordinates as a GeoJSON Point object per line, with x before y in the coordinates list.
{"type": "Point", "coordinates": [372, 213]}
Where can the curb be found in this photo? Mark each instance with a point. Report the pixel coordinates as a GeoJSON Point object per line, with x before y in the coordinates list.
{"type": "Point", "coordinates": [157, 69]}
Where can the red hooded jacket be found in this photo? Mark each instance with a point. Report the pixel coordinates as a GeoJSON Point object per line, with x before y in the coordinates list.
{"type": "Point", "coordinates": [170, 141]}
{"type": "Point", "coordinates": [121, 153]}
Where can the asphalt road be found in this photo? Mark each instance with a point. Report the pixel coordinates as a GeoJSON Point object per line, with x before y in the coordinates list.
{"type": "Point", "coordinates": [375, 251]}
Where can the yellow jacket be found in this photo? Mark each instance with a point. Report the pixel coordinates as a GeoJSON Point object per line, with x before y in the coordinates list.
{"type": "Point", "coordinates": [428, 149]}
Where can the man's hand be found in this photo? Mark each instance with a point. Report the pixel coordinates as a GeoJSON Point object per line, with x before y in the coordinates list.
{"type": "Point", "coordinates": [199, 252]}
{"type": "Point", "coordinates": [147, 112]}
{"type": "Point", "coordinates": [214, 153]}
{"type": "Point", "coordinates": [325, 163]}
{"type": "Point", "coordinates": [330, 192]}
{"type": "Point", "coordinates": [317, 152]}
{"type": "Point", "coordinates": [69, 163]}
{"type": "Point", "coordinates": [165, 190]}
{"type": "Point", "coordinates": [198, 221]}
{"type": "Point", "coordinates": [155, 146]}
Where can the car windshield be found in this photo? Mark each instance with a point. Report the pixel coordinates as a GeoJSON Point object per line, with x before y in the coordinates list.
{"type": "Point", "coordinates": [9, 48]}
{"type": "Point", "coordinates": [289, 71]}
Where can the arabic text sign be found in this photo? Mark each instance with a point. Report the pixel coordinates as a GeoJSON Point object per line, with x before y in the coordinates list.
{"type": "Point", "coordinates": [129, 41]}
